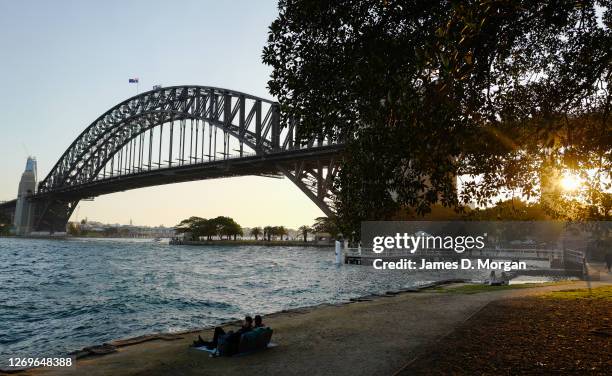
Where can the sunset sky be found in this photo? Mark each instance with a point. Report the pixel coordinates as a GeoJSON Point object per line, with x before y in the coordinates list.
{"type": "Point", "coordinates": [66, 62]}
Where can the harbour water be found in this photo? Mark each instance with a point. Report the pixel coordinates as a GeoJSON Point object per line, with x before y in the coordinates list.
{"type": "Point", "coordinates": [57, 296]}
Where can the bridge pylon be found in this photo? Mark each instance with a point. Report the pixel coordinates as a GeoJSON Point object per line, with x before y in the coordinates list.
{"type": "Point", "coordinates": [24, 210]}
{"type": "Point", "coordinates": [51, 214]}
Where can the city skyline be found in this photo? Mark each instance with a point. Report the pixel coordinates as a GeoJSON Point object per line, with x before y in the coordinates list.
{"type": "Point", "coordinates": [62, 80]}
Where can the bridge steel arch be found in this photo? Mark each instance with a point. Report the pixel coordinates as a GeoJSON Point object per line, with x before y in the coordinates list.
{"type": "Point", "coordinates": [126, 148]}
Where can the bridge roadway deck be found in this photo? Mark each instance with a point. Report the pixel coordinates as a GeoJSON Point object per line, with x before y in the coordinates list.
{"type": "Point", "coordinates": [263, 164]}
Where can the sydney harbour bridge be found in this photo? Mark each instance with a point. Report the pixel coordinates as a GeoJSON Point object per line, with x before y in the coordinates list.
{"type": "Point", "coordinates": [179, 134]}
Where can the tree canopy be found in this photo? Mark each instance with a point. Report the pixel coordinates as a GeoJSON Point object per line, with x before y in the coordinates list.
{"type": "Point", "coordinates": [304, 230]}
{"type": "Point", "coordinates": [256, 232]}
{"type": "Point", "coordinates": [200, 227]}
{"type": "Point", "coordinates": [507, 95]}
{"type": "Point", "coordinates": [325, 224]}
{"type": "Point", "coordinates": [275, 231]}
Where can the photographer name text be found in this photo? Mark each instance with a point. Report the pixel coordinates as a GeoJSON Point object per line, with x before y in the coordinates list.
{"type": "Point", "coordinates": [462, 264]}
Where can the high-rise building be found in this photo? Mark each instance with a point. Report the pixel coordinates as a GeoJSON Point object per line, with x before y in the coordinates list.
{"type": "Point", "coordinates": [24, 211]}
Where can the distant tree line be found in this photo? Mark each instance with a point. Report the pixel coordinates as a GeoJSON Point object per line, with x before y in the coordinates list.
{"type": "Point", "coordinates": [225, 227]}
{"type": "Point", "coordinates": [201, 227]}
{"type": "Point", "coordinates": [76, 229]}
{"type": "Point", "coordinates": [322, 224]}
{"type": "Point", "coordinates": [5, 225]}
{"type": "Point", "coordinates": [269, 232]}
{"type": "Point", "coordinates": [275, 231]}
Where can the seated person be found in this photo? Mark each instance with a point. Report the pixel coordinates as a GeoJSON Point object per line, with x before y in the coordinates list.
{"type": "Point", "coordinates": [247, 326]}
{"type": "Point", "coordinates": [258, 322]}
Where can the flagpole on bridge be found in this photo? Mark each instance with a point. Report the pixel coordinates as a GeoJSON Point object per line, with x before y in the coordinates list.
{"type": "Point", "coordinates": [135, 80]}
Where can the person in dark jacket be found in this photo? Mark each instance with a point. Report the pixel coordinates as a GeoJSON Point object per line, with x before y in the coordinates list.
{"type": "Point", "coordinates": [258, 322]}
{"type": "Point", "coordinates": [247, 326]}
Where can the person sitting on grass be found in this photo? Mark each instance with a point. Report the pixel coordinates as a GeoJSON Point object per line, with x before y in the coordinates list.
{"type": "Point", "coordinates": [258, 322]}
{"type": "Point", "coordinates": [247, 326]}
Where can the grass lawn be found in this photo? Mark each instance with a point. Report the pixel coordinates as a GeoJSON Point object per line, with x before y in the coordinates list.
{"type": "Point", "coordinates": [604, 292]}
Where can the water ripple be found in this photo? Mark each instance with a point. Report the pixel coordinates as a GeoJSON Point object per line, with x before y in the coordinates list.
{"type": "Point", "coordinates": [58, 296]}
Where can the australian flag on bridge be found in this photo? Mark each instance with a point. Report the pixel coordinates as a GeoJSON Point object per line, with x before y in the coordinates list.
{"type": "Point", "coordinates": [133, 80]}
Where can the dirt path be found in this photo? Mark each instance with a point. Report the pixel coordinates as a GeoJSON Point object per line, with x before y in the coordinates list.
{"type": "Point", "coordinates": [365, 338]}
